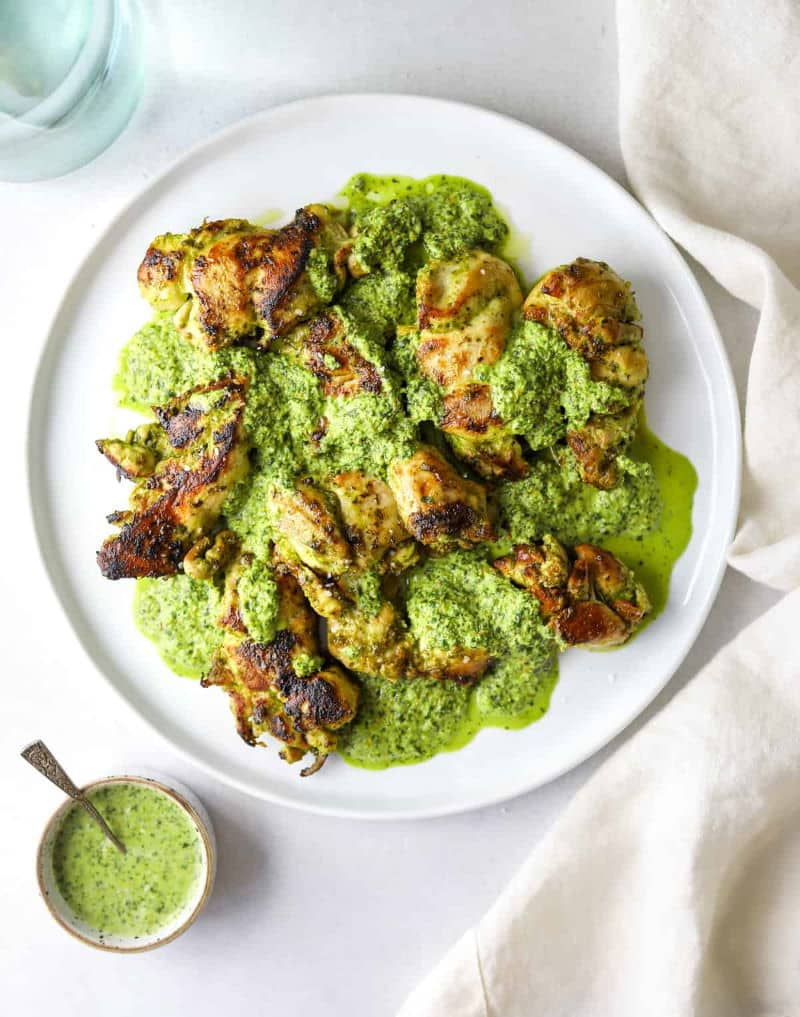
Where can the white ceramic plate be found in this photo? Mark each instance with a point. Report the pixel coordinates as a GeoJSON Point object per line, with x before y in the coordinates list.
{"type": "Point", "coordinates": [304, 152]}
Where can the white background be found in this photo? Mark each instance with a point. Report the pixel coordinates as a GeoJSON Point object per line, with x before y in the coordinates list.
{"type": "Point", "coordinates": [334, 915]}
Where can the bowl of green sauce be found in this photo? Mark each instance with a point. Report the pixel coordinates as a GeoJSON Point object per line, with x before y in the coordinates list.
{"type": "Point", "coordinates": [146, 897]}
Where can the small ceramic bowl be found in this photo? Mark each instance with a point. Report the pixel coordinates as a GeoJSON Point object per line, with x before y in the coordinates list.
{"type": "Point", "coordinates": [58, 907]}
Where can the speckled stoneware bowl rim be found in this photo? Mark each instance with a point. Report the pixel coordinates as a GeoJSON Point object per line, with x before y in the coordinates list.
{"type": "Point", "coordinates": [200, 822]}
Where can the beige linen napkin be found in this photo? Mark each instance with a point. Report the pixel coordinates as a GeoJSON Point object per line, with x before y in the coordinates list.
{"type": "Point", "coordinates": [710, 131]}
{"type": "Point", "coordinates": [671, 885]}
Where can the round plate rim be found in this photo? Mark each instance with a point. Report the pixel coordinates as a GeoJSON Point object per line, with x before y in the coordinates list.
{"type": "Point", "coordinates": [40, 526]}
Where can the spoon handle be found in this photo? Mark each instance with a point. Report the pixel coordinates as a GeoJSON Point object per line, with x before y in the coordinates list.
{"type": "Point", "coordinates": [43, 760]}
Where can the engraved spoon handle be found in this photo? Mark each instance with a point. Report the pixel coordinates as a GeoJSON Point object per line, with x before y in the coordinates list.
{"type": "Point", "coordinates": [43, 760]}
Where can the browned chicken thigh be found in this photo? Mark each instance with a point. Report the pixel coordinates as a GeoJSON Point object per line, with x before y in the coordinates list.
{"type": "Point", "coordinates": [355, 532]}
{"type": "Point", "coordinates": [442, 509]}
{"type": "Point", "coordinates": [184, 464]}
{"type": "Point", "coordinates": [229, 280]}
{"type": "Point", "coordinates": [465, 311]}
{"type": "Point", "coordinates": [283, 687]}
{"type": "Point", "coordinates": [594, 312]}
{"type": "Point", "coordinates": [585, 594]}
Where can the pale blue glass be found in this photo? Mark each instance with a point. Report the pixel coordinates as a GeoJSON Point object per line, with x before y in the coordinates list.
{"type": "Point", "coordinates": [70, 78]}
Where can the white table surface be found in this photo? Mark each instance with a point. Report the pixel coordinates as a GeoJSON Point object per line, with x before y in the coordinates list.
{"type": "Point", "coordinates": [333, 916]}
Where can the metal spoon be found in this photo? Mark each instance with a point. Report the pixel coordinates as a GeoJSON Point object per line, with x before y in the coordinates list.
{"type": "Point", "coordinates": [43, 760]}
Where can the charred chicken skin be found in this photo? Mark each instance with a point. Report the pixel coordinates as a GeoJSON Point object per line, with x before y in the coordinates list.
{"type": "Point", "coordinates": [184, 465]}
{"type": "Point", "coordinates": [440, 508]}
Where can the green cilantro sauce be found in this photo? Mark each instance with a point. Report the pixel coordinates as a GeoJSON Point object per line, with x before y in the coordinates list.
{"type": "Point", "coordinates": [143, 890]}
{"type": "Point", "coordinates": [646, 520]}
{"type": "Point", "coordinates": [402, 223]}
{"type": "Point", "coordinates": [180, 617]}
{"type": "Point", "coordinates": [158, 363]}
{"type": "Point", "coordinates": [563, 395]}
{"type": "Point", "coordinates": [457, 600]}
{"type": "Point", "coordinates": [258, 601]}
{"type": "Point", "coordinates": [445, 214]}
{"type": "Point", "coordinates": [653, 554]}
{"type": "Point", "coordinates": [540, 388]}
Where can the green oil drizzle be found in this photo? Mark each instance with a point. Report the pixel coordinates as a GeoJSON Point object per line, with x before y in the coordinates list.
{"type": "Point", "coordinates": [653, 555]}
{"type": "Point", "coordinates": [268, 217]}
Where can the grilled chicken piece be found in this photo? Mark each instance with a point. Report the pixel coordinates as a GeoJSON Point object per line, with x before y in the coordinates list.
{"type": "Point", "coordinates": [184, 475]}
{"type": "Point", "coordinates": [323, 347]}
{"type": "Point", "coordinates": [210, 556]}
{"type": "Point", "coordinates": [229, 280]}
{"type": "Point", "coordinates": [465, 310]}
{"type": "Point", "coordinates": [595, 313]}
{"type": "Point", "coordinates": [137, 455]}
{"type": "Point", "coordinates": [597, 444]}
{"type": "Point", "coordinates": [131, 456]}
{"type": "Point", "coordinates": [477, 435]}
{"type": "Point", "coordinates": [371, 522]}
{"type": "Point", "coordinates": [381, 644]}
{"type": "Point", "coordinates": [587, 596]}
{"type": "Point", "coordinates": [161, 272]}
{"type": "Point", "coordinates": [349, 521]}
{"type": "Point", "coordinates": [329, 547]}
{"type": "Point", "coordinates": [329, 540]}
{"type": "Point", "coordinates": [282, 687]}
{"type": "Point", "coordinates": [589, 305]}
{"type": "Point", "coordinates": [367, 519]}
{"type": "Point", "coordinates": [310, 529]}
{"type": "Point", "coordinates": [377, 644]}
{"type": "Point", "coordinates": [351, 526]}
{"type": "Point", "coordinates": [438, 507]}
{"type": "Point", "coordinates": [461, 664]}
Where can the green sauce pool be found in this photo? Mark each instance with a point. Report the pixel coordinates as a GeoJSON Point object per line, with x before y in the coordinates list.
{"type": "Point", "coordinates": [139, 892]}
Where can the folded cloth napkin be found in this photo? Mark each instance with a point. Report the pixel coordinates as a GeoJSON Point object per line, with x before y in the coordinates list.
{"type": "Point", "coordinates": [671, 884]}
